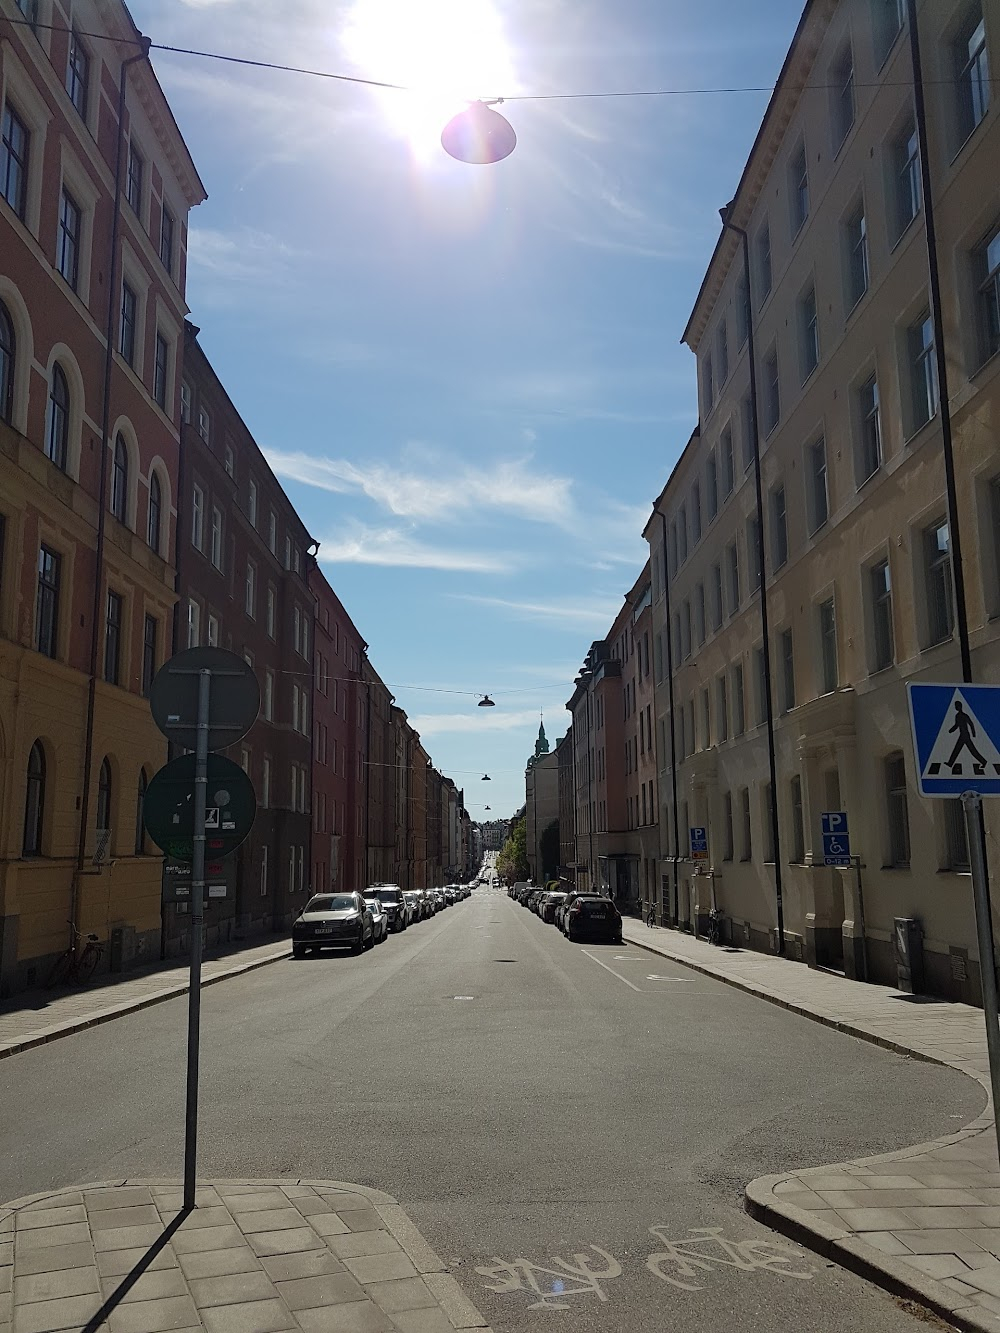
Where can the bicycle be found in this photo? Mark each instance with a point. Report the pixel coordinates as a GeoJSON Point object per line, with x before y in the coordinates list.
{"type": "Point", "coordinates": [651, 915]}
{"type": "Point", "coordinates": [714, 934]}
{"type": "Point", "coordinates": [75, 967]}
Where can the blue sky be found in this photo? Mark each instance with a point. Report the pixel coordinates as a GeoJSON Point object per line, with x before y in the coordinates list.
{"type": "Point", "coordinates": [468, 378]}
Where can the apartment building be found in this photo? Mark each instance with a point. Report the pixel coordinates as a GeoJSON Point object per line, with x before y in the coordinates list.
{"type": "Point", "coordinates": [244, 562]}
{"type": "Point", "coordinates": [88, 485]}
{"type": "Point", "coordinates": [858, 547]}
{"type": "Point", "coordinates": [567, 810]}
{"type": "Point", "coordinates": [541, 808]}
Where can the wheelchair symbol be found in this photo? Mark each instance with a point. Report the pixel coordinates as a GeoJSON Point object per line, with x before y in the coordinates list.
{"type": "Point", "coordinates": [836, 849]}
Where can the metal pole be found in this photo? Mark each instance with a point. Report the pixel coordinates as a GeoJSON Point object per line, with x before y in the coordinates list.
{"type": "Point", "coordinates": [197, 913]}
{"type": "Point", "coordinates": [861, 919]}
{"type": "Point", "coordinates": [973, 804]}
{"type": "Point", "coordinates": [764, 627]}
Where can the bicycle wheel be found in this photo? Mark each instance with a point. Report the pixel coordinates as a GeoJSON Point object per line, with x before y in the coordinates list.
{"type": "Point", "coordinates": [59, 974]}
{"type": "Point", "coordinates": [87, 965]}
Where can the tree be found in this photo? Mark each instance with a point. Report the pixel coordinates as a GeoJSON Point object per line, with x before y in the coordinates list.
{"type": "Point", "coordinates": [548, 846]}
{"type": "Point", "coordinates": [512, 862]}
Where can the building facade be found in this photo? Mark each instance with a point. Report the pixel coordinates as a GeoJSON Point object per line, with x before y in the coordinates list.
{"type": "Point", "coordinates": [541, 808]}
{"type": "Point", "coordinates": [88, 485]}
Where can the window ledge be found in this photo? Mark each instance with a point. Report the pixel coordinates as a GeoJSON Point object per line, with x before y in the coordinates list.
{"type": "Point", "coordinates": [864, 482]}
{"type": "Point", "coordinates": [857, 302]}
{"type": "Point", "coordinates": [924, 426]}
{"type": "Point", "coordinates": [991, 362]}
{"type": "Point", "coordinates": [969, 138]}
{"type": "Point", "coordinates": [906, 230]}
{"type": "Point", "coordinates": [938, 643]}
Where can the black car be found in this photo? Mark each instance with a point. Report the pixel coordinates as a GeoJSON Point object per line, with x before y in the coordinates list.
{"type": "Point", "coordinates": [333, 921]}
{"type": "Point", "coordinates": [396, 907]}
{"type": "Point", "coordinates": [594, 917]}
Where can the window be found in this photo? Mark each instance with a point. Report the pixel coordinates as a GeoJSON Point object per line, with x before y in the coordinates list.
{"type": "Point", "coordinates": [167, 239]}
{"type": "Point", "coordinates": [798, 184]}
{"type": "Point", "coordinates": [265, 784]}
{"type": "Point", "coordinates": [937, 572]}
{"type": "Point", "coordinates": [712, 486]}
{"type": "Point", "coordinates": [761, 692]}
{"type": "Point", "coordinates": [828, 646]}
{"type": "Point", "coordinates": [764, 273]}
{"type": "Point", "coordinates": [728, 461]}
{"type": "Point", "coordinates": [57, 430]}
{"type": "Point", "coordinates": [747, 848]}
{"type": "Point", "coordinates": [119, 480]}
{"type": "Point", "coordinates": [213, 630]}
{"type": "Point", "coordinates": [198, 517]}
{"type": "Point", "coordinates": [113, 622]}
{"type": "Point", "coordinates": [268, 695]}
{"type": "Point", "coordinates": [733, 565]}
{"type": "Point", "coordinates": [706, 719]}
{"type": "Point", "coordinates": [682, 531]}
{"type": "Point", "coordinates": [722, 352]}
{"type": "Point", "coordinates": [102, 821]}
{"type": "Point", "coordinates": [906, 166]}
{"type": "Point", "coordinates": [739, 701]}
{"type": "Point", "coordinates": [727, 815]}
{"type": "Point", "coordinates": [808, 332]}
{"type": "Point", "coordinates": [870, 459]}
{"type": "Point", "coordinates": [699, 613]}
{"type": "Point", "coordinates": [956, 836]}
{"type": "Point", "coordinates": [798, 822]}
{"type": "Point", "coordinates": [140, 827]}
{"type": "Point", "coordinates": [972, 73]}
{"type": "Point", "coordinates": [270, 610]}
{"type": "Point", "coordinates": [15, 142]}
{"type": "Point", "coordinates": [155, 513]}
{"type": "Point", "coordinates": [742, 310]}
{"type": "Point", "coordinates": [767, 813]}
{"type": "Point", "coordinates": [842, 95]}
{"type": "Point", "coordinates": [205, 431]}
{"type": "Point", "coordinates": [263, 870]}
{"type": "Point", "coordinates": [880, 587]}
{"type": "Point", "coordinates": [8, 348]}
{"type": "Point", "coordinates": [695, 514]}
{"type": "Point", "coordinates": [753, 554]}
{"type": "Point", "coordinates": [722, 709]}
{"type": "Point", "coordinates": [896, 810]}
{"type": "Point", "coordinates": [772, 395]}
{"type": "Point", "coordinates": [707, 385]}
{"type": "Point", "coordinates": [987, 263]}
{"type": "Point", "coordinates": [47, 601]}
{"type": "Point", "coordinates": [856, 238]}
{"type": "Point", "coordinates": [185, 402]}
{"type": "Point", "coordinates": [133, 177]}
{"type": "Point", "coordinates": [686, 628]}
{"type": "Point", "coordinates": [250, 603]}
{"type": "Point", "coordinates": [194, 623]}
{"type": "Point", "coordinates": [77, 70]}
{"type": "Point", "coordinates": [749, 434]}
{"type": "Point", "coordinates": [149, 636]}
{"type": "Point", "coordinates": [126, 334]}
{"type": "Point", "coordinates": [215, 540]}
{"type": "Point", "coordinates": [717, 607]}
{"type": "Point", "coordinates": [272, 532]}
{"type": "Point", "coordinates": [888, 20]}
{"type": "Point", "coordinates": [819, 500]}
{"type": "Point", "coordinates": [68, 242]}
{"type": "Point", "coordinates": [34, 802]}
{"type": "Point", "coordinates": [297, 629]}
{"type": "Point", "coordinates": [288, 551]}
{"type": "Point", "coordinates": [923, 369]}
{"type": "Point", "coordinates": [29, 8]}
{"type": "Point", "coordinates": [786, 656]}
{"type": "Point", "coordinates": [160, 371]}
{"type": "Point", "coordinates": [252, 501]}
{"type": "Point", "coordinates": [779, 527]}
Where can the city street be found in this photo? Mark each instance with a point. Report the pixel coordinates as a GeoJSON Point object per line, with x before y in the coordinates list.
{"type": "Point", "coordinates": [561, 1116]}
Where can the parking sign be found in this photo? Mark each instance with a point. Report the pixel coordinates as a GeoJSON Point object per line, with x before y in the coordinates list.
{"type": "Point", "coordinates": [836, 838]}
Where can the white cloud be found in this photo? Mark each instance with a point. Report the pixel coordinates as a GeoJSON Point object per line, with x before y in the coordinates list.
{"type": "Point", "coordinates": [594, 614]}
{"type": "Point", "coordinates": [361, 545]}
{"type": "Point", "coordinates": [244, 255]}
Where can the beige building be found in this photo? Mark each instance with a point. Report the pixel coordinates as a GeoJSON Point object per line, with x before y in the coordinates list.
{"type": "Point", "coordinates": [541, 809]}
{"type": "Point", "coordinates": [859, 579]}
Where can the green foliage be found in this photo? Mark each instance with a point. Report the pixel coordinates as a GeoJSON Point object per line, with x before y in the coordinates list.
{"type": "Point", "coordinates": [512, 860]}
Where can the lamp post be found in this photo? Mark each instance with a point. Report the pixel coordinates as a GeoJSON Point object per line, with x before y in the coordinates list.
{"type": "Point", "coordinates": [724, 213]}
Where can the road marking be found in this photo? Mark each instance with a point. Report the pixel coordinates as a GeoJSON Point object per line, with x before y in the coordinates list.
{"type": "Point", "coordinates": [463, 997]}
{"type": "Point", "coordinates": [611, 970]}
{"type": "Point", "coordinates": [653, 977]}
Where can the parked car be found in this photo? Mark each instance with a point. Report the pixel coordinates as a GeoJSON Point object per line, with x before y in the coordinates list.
{"type": "Point", "coordinates": [564, 907]}
{"type": "Point", "coordinates": [592, 916]}
{"type": "Point", "coordinates": [549, 904]}
{"type": "Point", "coordinates": [440, 901]}
{"type": "Point", "coordinates": [516, 887]}
{"type": "Point", "coordinates": [333, 920]}
{"type": "Point", "coordinates": [391, 898]}
{"type": "Point", "coordinates": [415, 903]}
{"type": "Point", "coordinates": [449, 894]}
{"type": "Point", "coordinates": [380, 918]}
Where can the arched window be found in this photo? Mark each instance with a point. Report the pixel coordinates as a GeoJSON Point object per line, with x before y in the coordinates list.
{"type": "Point", "coordinates": [8, 347]}
{"type": "Point", "coordinates": [34, 802]}
{"type": "Point", "coordinates": [140, 827]}
{"type": "Point", "coordinates": [57, 435]}
{"type": "Point", "coordinates": [104, 795]}
{"type": "Point", "coordinates": [155, 506]}
{"type": "Point", "coordinates": [119, 480]}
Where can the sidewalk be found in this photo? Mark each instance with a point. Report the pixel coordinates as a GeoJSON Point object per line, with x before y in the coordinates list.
{"type": "Point", "coordinates": [923, 1222]}
{"type": "Point", "coordinates": [41, 1016]}
{"type": "Point", "coordinates": [255, 1256]}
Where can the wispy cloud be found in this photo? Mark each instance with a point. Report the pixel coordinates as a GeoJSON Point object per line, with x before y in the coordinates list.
{"type": "Point", "coordinates": [592, 615]}
{"type": "Point", "coordinates": [361, 545]}
{"type": "Point", "coordinates": [243, 255]}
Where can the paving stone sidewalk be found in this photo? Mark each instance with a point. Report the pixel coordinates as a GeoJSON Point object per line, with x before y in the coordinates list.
{"type": "Point", "coordinates": [253, 1257]}
{"type": "Point", "coordinates": [923, 1222]}
{"type": "Point", "coordinates": [42, 1016]}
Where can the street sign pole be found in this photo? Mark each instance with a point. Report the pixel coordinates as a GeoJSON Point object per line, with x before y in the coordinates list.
{"type": "Point", "coordinates": [973, 804]}
{"type": "Point", "coordinates": [861, 918]}
{"type": "Point", "coordinates": [197, 912]}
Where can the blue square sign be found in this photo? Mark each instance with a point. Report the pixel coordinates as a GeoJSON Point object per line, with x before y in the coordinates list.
{"type": "Point", "coordinates": [956, 738]}
{"type": "Point", "coordinates": [836, 838]}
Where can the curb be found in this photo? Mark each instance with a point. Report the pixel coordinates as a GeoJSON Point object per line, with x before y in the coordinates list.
{"type": "Point", "coordinates": [94, 1020]}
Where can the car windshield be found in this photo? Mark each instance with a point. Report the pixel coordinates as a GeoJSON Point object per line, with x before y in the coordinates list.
{"type": "Point", "coordinates": [387, 895]}
{"type": "Point", "coordinates": [336, 902]}
{"type": "Point", "coordinates": [410, 897]}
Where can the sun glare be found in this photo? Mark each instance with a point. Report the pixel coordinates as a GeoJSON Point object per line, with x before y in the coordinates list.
{"type": "Point", "coordinates": [449, 52]}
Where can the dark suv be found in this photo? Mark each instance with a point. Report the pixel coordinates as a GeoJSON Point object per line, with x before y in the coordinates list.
{"type": "Point", "coordinates": [396, 907]}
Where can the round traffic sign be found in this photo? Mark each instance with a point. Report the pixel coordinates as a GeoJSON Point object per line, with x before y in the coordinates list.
{"type": "Point", "coordinates": [234, 697]}
{"type": "Point", "coordinates": [230, 807]}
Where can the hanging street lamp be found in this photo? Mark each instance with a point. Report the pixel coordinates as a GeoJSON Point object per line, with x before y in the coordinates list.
{"type": "Point", "coordinates": [479, 135]}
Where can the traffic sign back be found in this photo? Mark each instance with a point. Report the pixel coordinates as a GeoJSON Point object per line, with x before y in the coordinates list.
{"type": "Point", "coordinates": [956, 738]}
{"type": "Point", "coordinates": [168, 807]}
{"type": "Point", "coordinates": [234, 698]}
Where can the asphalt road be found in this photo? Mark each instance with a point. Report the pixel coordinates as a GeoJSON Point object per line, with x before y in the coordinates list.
{"type": "Point", "coordinates": [527, 1100]}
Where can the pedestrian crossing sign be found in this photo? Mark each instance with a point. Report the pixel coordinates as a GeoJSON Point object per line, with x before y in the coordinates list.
{"type": "Point", "coordinates": [956, 738]}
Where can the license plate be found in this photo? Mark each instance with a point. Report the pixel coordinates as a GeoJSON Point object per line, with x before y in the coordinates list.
{"type": "Point", "coordinates": [597, 912]}
{"type": "Point", "coordinates": [324, 930]}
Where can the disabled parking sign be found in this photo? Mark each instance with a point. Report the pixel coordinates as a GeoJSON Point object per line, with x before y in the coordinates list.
{"type": "Point", "coordinates": [836, 838]}
{"type": "Point", "coordinates": [956, 738]}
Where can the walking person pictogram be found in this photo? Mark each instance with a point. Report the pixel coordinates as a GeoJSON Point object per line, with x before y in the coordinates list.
{"type": "Point", "coordinates": [966, 729]}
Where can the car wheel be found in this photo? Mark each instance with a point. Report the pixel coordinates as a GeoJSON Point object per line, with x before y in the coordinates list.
{"type": "Point", "coordinates": [298, 951]}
